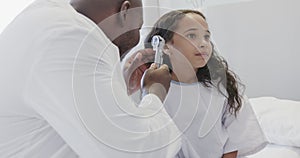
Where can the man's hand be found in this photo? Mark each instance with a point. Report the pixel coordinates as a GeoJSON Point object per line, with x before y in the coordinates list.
{"type": "Point", "coordinates": [156, 81]}
{"type": "Point", "coordinates": [230, 155]}
{"type": "Point", "coordinates": [134, 68]}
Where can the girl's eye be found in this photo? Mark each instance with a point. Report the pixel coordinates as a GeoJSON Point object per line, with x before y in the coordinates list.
{"type": "Point", "coordinates": [207, 37]}
{"type": "Point", "coordinates": [191, 36]}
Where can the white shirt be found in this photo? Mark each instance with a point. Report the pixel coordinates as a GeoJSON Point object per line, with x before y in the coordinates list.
{"type": "Point", "coordinates": [209, 131]}
{"type": "Point", "coordinates": [63, 94]}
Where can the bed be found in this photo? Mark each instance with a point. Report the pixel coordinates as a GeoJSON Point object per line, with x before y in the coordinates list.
{"type": "Point", "coordinates": [280, 121]}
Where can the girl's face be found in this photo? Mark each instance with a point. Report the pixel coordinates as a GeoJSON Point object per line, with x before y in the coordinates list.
{"type": "Point", "coordinates": [192, 39]}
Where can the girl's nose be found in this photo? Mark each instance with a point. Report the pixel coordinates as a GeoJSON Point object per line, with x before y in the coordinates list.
{"type": "Point", "coordinates": [203, 43]}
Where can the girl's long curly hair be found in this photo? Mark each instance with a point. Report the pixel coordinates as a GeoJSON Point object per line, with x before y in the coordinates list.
{"type": "Point", "coordinates": [215, 71]}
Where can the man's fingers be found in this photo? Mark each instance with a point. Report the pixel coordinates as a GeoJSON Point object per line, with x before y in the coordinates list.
{"type": "Point", "coordinates": [135, 62]}
{"type": "Point", "coordinates": [164, 66]}
{"type": "Point", "coordinates": [148, 56]}
{"type": "Point", "coordinates": [137, 58]}
{"type": "Point", "coordinates": [141, 57]}
{"type": "Point", "coordinates": [149, 51]}
{"type": "Point", "coordinates": [153, 66]}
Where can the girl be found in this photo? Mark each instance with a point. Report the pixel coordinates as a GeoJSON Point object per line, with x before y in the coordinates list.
{"type": "Point", "coordinates": [205, 99]}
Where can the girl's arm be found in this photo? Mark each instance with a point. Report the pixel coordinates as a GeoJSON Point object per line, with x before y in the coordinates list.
{"type": "Point", "coordinates": [230, 155]}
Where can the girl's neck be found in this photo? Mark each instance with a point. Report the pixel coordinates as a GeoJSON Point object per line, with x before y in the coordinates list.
{"type": "Point", "coordinates": [186, 79]}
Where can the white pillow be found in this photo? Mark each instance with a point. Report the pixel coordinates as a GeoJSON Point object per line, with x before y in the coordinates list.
{"type": "Point", "coordinates": [279, 119]}
{"type": "Point", "coordinates": [277, 151]}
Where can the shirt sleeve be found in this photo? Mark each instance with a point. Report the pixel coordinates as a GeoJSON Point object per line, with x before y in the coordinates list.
{"type": "Point", "coordinates": [76, 85]}
{"type": "Point", "coordinates": [245, 134]}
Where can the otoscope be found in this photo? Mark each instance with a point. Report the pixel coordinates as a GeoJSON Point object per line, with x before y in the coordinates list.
{"type": "Point", "coordinates": [158, 44]}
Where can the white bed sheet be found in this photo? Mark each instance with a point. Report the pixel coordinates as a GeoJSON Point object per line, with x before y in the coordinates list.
{"type": "Point", "coordinates": [277, 151]}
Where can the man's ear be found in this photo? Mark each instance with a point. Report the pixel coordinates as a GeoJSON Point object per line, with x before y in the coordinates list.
{"type": "Point", "coordinates": [124, 12]}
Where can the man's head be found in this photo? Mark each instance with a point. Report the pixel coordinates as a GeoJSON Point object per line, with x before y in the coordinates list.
{"type": "Point", "coordinates": [120, 20]}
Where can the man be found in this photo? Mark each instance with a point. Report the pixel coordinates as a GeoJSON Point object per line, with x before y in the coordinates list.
{"type": "Point", "coordinates": [62, 90]}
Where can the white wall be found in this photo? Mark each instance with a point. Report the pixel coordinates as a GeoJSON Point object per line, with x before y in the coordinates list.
{"type": "Point", "coordinates": [261, 41]}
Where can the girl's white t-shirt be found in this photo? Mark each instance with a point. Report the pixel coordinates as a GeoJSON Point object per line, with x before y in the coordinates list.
{"type": "Point", "coordinates": [209, 130]}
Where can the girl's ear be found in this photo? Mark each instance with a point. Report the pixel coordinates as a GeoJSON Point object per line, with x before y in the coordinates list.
{"type": "Point", "coordinates": [166, 49]}
{"type": "Point", "coordinates": [169, 49]}
{"type": "Point", "coordinates": [172, 41]}
{"type": "Point", "coordinates": [166, 46]}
